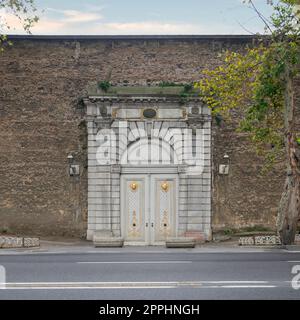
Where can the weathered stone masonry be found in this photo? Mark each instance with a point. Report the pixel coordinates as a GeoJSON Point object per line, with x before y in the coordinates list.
{"type": "Point", "coordinates": [42, 81]}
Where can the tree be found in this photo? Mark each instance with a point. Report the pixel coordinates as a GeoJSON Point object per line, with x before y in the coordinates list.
{"type": "Point", "coordinates": [24, 10]}
{"type": "Point", "coordinates": [259, 82]}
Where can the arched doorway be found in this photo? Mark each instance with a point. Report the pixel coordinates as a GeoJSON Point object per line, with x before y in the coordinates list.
{"type": "Point", "coordinates": [149, 196]}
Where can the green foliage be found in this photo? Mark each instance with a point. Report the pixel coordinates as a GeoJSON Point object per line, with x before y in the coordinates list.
{"type": "Point", "coordinates": [164, 84]}
{"type": "Point", "coordinates": [104, 85]}
{"type": "Point", "coordinates": [228, 232]}
{"type": "Point", "coordinates": [254, 82]}
{"type": "Point", "coordinates": [188, 87]}
{"type": "Point", "coordinates": [184, 94]}
{"type": "Point", "coordinates": [291, 2]}
{"type": "Point", "coordinates": [219, 119]}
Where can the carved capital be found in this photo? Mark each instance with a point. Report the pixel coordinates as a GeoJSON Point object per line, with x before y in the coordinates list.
{"type": "Point", "coordinates": [115, 168]}
{"type": "Point", "coordinates": [198, 121]}
{"type": "Point", "coordinates": [102, 124]}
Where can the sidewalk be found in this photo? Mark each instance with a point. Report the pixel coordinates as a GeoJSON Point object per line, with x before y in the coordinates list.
{"type": "Point", "coordinates": [78, 246]}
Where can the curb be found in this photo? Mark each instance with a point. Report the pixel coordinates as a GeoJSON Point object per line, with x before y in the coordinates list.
{"type": "Point", "coordinates": [294, 247]}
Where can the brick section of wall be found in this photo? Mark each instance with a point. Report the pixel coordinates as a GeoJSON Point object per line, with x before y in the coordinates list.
{"type": "Point", "coordinates": [40, 84]}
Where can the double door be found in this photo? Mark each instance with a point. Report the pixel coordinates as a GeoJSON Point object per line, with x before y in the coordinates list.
{"type": "Point", "coordinates": [149, 208]}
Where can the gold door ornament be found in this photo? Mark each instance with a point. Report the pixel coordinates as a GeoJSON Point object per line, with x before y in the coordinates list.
{"type": "Point", "coordinates": [114, 113]}
{"type": "Point", "coordinates": [164, 227]}
{"type": "Point", "coordinates": [165, 186]}
{"type": "Point", "coordinates": [134, 229]}
{"type": "Point", "coordinates": [134, 186]}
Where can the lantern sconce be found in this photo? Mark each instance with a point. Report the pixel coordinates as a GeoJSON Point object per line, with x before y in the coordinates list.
{"type": "Point", "coordinates": [74, 169]}
{"type": "Point", "coordinates": [224, 168]}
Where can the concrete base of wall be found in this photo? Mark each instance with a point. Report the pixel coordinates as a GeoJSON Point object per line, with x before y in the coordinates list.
{"type": "Point", "coordinates": [104, 238]}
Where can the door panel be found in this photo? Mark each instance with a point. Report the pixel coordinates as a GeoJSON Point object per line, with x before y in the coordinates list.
{"type": "Point", "coordinates": [164, 207]}
{"type": "Point", "coordinates": [134, 189]}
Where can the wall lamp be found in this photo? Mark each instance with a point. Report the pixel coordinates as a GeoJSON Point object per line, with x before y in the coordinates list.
{"type": "Point", "coordinates": [224, 168]}
{"type": "Point", "coordinates": [74, 169]}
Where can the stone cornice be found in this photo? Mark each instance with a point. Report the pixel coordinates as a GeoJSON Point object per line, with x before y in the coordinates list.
{"type": "Point", "coordinates": [139, 99]}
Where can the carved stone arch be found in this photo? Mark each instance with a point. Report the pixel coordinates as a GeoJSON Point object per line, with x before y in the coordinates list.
{"type": "Point", "coordinates": [149, 151]}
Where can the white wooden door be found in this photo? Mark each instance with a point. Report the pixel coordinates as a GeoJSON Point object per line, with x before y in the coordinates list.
{"type": "Point", "coordinates": [163, 207]}
{"type": "Point", "coordinates": [149, 208]}
{"type": "Point", "coordinates": [134, 205]}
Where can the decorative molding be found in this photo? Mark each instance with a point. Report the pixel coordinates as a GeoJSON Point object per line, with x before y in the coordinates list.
{"type": "Point", "coordinates": [140, 99]}
{"type": "Point", "coordinates": [198, 119]}
{"type": "Point", "coordinates": [115, 168]}
{"type": "Point", "coordinates": [182, 169]}
{"type": "Point", "coordinates": [149, 170]}
{"type": "Point", "coordinates": [102, 124]}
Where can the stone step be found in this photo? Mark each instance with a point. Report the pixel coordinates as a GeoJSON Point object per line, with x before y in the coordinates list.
{"type": "Point", "coordinates": [107, 242]}
{"type": "Point", "coordinates": [182, 242]}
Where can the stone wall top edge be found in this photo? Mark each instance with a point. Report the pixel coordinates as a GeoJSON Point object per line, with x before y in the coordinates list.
{"type": "Point", "coordinates": [241, 38]}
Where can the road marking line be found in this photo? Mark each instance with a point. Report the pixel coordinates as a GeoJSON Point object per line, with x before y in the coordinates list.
{"type": "Point", "coordinates": [293, 261]}
{"type": "Point", "coordinates": [293, 251]}
{"type": "Point", "coordinates": [133, 262]}
{"type": "Point", "coordinates": [89, 288]}
{"type": "Point", "coordinates": [115, 285]}
{"type": "Point", "coordinates": [136, 287]}
{"type": "Point", "coordinates": [139, 287]}
{"type": "Point", "coordinates": [236, 281]}
{"type": "Point", "coordinates": [233, 287]}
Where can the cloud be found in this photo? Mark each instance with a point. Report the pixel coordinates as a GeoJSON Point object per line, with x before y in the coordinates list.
{"type": "Point", "coordinates": [54, 21]}
{"type": "Point", "coordinates": [148, 27]}
{"type": "Point", "coordinates": [15, 26]}
{"type": "Point", "coordinates": [62, 21]}
{"type": "Point", "coordinates": [74, 16]}
{"type": "Point", "coordinates": [156, 27]}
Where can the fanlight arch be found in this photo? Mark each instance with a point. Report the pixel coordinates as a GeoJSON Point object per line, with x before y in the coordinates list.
{"type": "Point", "coordinates": [149, 151]}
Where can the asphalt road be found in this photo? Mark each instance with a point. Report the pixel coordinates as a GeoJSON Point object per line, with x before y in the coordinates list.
{"type": "Point", "coordinates": [151, 275]}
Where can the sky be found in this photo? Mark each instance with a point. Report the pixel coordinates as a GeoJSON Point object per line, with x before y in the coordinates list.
{"type": "Point", "coordinates": [144, 17]}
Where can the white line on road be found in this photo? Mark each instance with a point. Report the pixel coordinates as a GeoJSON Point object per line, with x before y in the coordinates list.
{"type": "Point", "coordinates": [139, 285]}
{"type": "Point", "coordinates": [236, 281]}
{"type": "Point", "coordinates": [246, 287]}
{"type": "Point", "coordinates": [88, 288]}
{"type": "Point", "coordinates": [132, 262]}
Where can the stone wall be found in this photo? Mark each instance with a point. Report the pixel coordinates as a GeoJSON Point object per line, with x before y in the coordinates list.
{"type": "Point", "coordinates": [41, 82]}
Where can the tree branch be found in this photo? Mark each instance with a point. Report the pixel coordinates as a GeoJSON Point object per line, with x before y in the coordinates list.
{"type": "Point", "coordinates": [261, 16]}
